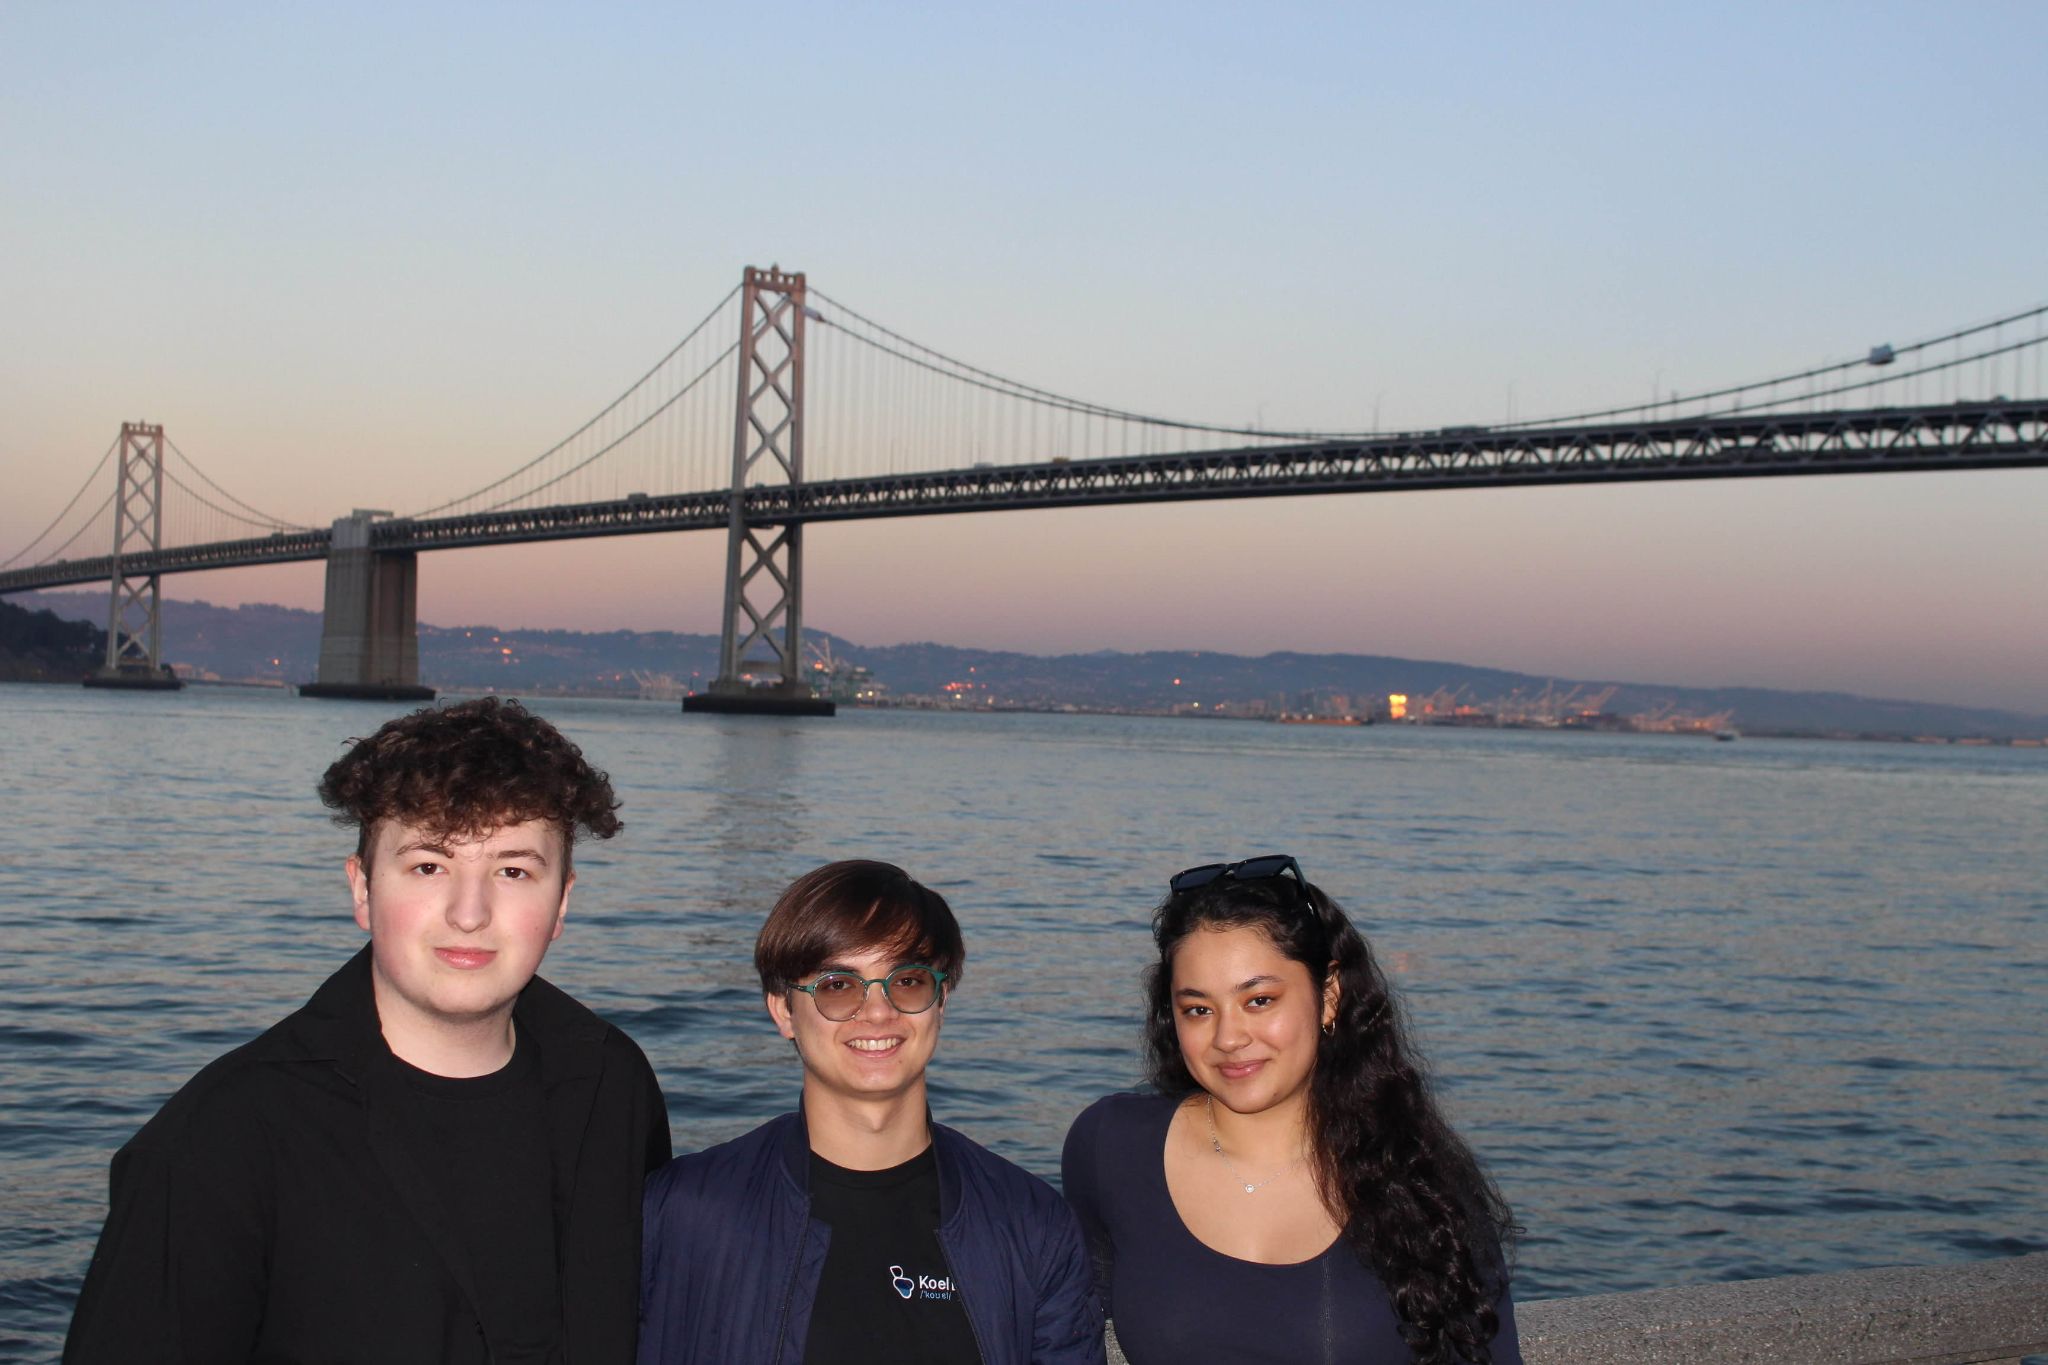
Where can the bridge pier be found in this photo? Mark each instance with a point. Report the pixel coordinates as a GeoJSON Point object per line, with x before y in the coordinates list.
{"type": "Point", "coordinates": [764, 562]}
{"type": "Point", "coordinates": [369, 625]}
{"type": "Point", "coordinates": [134, 611]}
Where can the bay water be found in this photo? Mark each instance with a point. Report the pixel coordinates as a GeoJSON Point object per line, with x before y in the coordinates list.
{"type": "Point", "coordinates": [1708, 1011]}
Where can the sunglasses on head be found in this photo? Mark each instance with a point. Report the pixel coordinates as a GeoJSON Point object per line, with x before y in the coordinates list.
{"type": "Point", "coordinates": [1249, 870]}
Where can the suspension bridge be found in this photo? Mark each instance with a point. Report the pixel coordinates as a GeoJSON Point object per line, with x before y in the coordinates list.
{"type": "Point", "coordinates": [784, 407]}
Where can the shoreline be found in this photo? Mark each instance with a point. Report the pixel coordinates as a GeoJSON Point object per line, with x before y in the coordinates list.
{"type": "Point", "coordinates": [1964, 741]}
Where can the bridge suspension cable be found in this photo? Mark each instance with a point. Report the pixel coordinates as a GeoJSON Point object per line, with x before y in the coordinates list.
{"type": "Point", "coordinates": [882, 402]}
{"type": "Point", "coordinates": [255, 517]}
{"type": "Point", "coordinates": [938, 362]}
{"type": "Point", "coordinates": [635, 406]}
{"type": "Point", "coordinates": [918, 419]}
{"type": "Point", "coordinates": [90, 523]}
{"type": "Point", "coordinates": [220, 513]}
{"type": "Point", "coordinates": [622, 437]}
{"type": "Point", "coordinates": [1935, 367]}
{"type": "Point", "coordinates": [1881, 357]}
{"type": "Point", "coordinates": [55, 521]}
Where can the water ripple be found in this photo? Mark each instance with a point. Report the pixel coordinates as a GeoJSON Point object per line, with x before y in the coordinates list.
{"type": "Point", "coordinates": [1709, 1011]}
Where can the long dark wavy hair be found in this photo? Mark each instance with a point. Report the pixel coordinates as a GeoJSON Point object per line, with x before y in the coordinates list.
{"type": "Point", "coordinates": [1414, 1202]}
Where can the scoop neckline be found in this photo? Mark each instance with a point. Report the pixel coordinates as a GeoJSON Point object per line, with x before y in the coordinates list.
{"type": "Point", "coordinates": [1166, 1191]}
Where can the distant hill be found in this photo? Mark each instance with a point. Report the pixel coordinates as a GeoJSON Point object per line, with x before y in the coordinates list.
{"type": "Point", "coordinates": [42, 646]}
{"type": "Point", "coordinates": [283, 643]}
{"type": "Point", "coordinates": [1163, 679]}
{"type": "Point", "coordinates": [264, 642]}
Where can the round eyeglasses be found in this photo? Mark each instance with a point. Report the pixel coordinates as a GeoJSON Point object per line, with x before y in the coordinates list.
{"type": "Point", "coordinates": [911, 989]}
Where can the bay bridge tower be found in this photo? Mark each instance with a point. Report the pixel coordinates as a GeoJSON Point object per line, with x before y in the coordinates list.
{"type": "Point", "coordinates": [135, 607]}
{"type": "Point", "coordinates": [760, 652]}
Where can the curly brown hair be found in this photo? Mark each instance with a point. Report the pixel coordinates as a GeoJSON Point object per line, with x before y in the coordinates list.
{"type": "Point", "coordinates": [462, 771]}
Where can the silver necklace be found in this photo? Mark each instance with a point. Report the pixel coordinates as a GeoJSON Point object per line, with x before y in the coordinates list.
{"type": "Point", "coordinates": [1216, 1146]}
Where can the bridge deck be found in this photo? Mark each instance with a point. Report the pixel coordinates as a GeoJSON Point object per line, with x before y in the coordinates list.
{"type": "Point", "coordinates": [1972, 435]}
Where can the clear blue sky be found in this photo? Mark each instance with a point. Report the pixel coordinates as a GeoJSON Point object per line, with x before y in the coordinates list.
{"type": "Point", "coordinates": [372, 254]}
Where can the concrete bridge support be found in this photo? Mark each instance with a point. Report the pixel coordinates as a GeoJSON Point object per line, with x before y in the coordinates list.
{"type": "Point", "coordinates": [369, 626]}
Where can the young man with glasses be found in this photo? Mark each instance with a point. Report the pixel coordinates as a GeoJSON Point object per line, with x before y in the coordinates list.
{"type": "Point", "coordinates": [856, 1229]}
{"type": "Point", "coordinates": [440, 1157]}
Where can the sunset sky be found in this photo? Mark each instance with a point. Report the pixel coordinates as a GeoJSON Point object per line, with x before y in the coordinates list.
{"type": "Point", "coordinates": [374, 255]}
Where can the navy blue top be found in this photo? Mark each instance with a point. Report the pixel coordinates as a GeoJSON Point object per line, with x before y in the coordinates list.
{"type": "Point", "coordinates": [732, 1256]}
{"type": "Point", "coordinates": [1172, 1297]}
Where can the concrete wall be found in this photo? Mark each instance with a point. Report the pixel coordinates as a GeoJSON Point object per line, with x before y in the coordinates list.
{"type": "Point", "coordinates": [369, 632]}
{"type": "Point", "coordinates": [1976, 1313]}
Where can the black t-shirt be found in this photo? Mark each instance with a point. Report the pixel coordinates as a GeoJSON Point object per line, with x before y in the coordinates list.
{"type": "Point", "coordinates": [886, 1293]}
{"type": "Point", "coordinates": [482, 1142]}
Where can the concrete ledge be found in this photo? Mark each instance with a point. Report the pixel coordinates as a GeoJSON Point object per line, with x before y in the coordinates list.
{"type": "Point", "coordinates": [368, 691]}
{"type": "Point", "coordinates": [1979, 1311]}
{"type": "Point", "coordinates": [1976, 1313]}
{"type": "Point", "coordinates": [134, 680]}
{"type": "Point", "coordinates": [763, 704]}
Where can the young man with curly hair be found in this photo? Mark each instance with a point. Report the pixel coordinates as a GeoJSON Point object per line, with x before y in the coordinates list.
{"type": "Point", "coordinates": [439, 1158]}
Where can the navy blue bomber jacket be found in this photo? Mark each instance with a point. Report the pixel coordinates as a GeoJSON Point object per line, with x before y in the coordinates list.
{"type": "Point", "coordinates": [731, 1257]}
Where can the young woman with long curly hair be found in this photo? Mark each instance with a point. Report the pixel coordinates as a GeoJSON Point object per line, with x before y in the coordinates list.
{"type": "Point", "coordinates": [1290, 1191]}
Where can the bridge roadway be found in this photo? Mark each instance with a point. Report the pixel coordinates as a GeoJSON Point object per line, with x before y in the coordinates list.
{"type": "Point", "coordinates": [1996, 434]}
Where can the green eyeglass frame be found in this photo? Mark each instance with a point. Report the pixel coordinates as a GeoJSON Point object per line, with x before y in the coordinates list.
{"type": "Point", "coordinates": [839, 985]}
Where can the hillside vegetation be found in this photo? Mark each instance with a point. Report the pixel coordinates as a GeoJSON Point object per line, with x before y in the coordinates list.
{"type": "Point", "coordinates": [40, 646]}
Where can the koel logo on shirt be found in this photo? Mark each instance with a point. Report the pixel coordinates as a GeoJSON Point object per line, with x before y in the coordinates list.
{"type": "Point", "coordinates": [921, 1286]}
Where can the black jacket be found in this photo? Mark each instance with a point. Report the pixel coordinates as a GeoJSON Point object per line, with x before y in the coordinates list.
{"type": "Point", "coordinates": [271, 1211]}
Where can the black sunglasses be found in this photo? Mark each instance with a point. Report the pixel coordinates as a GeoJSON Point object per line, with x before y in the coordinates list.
{"type": "Point", "coordinates": [1250, 870]}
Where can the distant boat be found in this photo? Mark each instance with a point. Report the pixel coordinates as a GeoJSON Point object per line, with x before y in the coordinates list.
{"type": "Point", "coordinates": [1726, 735]}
